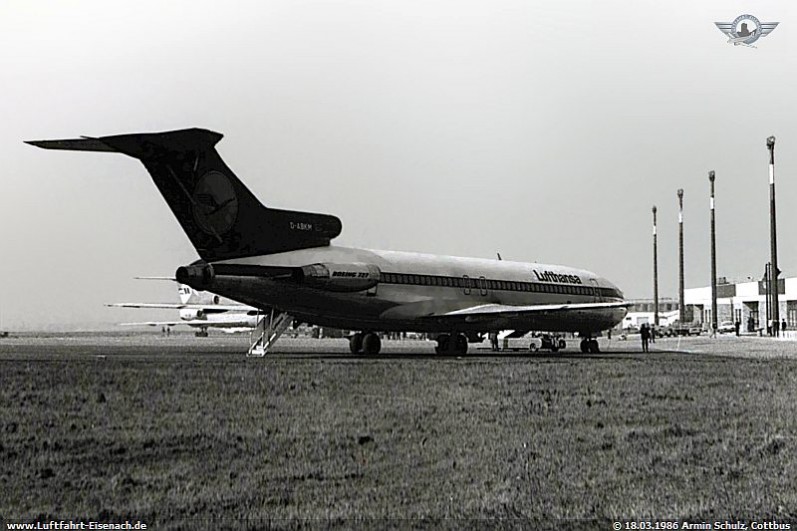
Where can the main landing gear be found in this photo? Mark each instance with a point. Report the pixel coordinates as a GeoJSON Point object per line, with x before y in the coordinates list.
{"type": "Point", "coordinates": [365, 343]}
{"type": "Point", "coordinates": [590, 345]}
{"type": "Point", "coordinates": [452, 344]}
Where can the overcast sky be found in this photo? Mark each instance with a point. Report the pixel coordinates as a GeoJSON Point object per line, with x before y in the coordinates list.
{"type": "Point", "coordinates": [543, 130]}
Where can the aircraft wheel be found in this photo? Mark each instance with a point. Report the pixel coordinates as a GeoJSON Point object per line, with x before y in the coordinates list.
{"type": "Point", "coordinates": [371, 343]}
{"type": "Point", "coordinates": [594, 347]}
{"type": "Point", "coordinates": [533, 347]}
{"type": "Point", "coordinates": [585, 346]}
{"type": "Point", "coordinates": [356, 343]}
{"type": "Point", "coordinates": [443, 342]}
{"type": "Point", "coordinates": [461, 344]}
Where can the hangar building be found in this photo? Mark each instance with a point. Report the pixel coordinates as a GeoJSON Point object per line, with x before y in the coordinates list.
{"type": "Point", "coordinates": [743, 301]}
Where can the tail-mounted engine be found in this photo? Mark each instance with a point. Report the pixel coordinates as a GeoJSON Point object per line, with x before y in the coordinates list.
{"type": "Point", "coordinates": [340, 277]}
{"type": "Point", "coordinates": [198, 276]}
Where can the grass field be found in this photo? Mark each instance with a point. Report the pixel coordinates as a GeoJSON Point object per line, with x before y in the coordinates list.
{"type": "Point", "coordinates": [189, 433]}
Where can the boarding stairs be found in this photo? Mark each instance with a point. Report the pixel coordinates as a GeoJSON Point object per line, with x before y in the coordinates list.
{"type": "Point", "coordinates": [269, 328]}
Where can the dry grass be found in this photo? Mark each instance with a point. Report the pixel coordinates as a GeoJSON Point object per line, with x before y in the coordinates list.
{"type": "Point", "coordinates": [199, 435]}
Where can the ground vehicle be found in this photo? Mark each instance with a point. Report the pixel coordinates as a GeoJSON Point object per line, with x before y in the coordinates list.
{"type": "Point", "coordinates": [665, 331]}
{"type": "Point", "coordinates": [726, 327]}
{"type": "Point", "coordinates": [685, 330]}
{"type": "Point", "coordinates": [534, 343]}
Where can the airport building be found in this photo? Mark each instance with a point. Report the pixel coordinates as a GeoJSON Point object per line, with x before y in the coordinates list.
{"type": "Point", "coordinates": [643, 311]}
{"type": "Point", "coordinates": [745, 302]}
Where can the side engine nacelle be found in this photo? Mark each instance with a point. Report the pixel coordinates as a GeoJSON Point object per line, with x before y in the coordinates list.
{"type": "Point", "coordinates": [340, 277]}
{"type": "Point", "coordinates": [189, 314]}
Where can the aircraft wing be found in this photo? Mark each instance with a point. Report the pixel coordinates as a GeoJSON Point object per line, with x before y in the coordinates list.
{"type": "Point", "coordinates": [155, 323]}
{"type": "Point", "coordinates": [504, 310]}
{"type": "Point", "coordinates": [207, 308]}
{"type": "Point", "coordinates": [194, 322]}
{"type": "Point", "coordinates": [493, 309]}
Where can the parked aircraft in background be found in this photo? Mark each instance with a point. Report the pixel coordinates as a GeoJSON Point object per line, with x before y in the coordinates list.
{"type": "Point", "coordinates": [284, 260]}
{"type": "Point", "coordinates": [201, 310]}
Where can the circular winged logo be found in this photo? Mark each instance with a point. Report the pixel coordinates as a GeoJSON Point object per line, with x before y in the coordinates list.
{"type": "Point", "coordinates": [215, 203]}
{"type": "Point", "coordinates": [745, 30]}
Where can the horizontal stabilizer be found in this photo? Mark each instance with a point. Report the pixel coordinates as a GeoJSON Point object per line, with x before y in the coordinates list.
{"type": "Point", "coordinates": [74, 144]}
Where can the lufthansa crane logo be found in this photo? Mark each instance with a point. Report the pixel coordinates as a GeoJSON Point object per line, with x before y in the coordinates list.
{"type": "Point", "coordinates": [215, 203]}
{"type": "Point", "coordinates": [745, 30]}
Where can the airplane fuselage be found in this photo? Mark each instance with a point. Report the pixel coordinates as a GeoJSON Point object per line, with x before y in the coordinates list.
{"type": "Point", "coordinates": [415, 290]}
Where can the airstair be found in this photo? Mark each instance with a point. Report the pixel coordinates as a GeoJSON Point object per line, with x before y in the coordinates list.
{"type": "Point", "coordinates": [269, 328]}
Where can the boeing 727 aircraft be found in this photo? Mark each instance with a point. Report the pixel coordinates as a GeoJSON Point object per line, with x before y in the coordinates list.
{"type": "Point", "coordinates": [284, 261]}
{"type": "Point", "coordinates": [201, 310]}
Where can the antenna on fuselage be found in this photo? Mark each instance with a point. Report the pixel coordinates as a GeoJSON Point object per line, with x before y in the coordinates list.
{"type": "Point", "coordinates": [499, 256]}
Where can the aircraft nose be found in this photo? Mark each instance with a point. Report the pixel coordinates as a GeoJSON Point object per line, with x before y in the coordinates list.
{"type": "Point", "coordinates": [616, 292]}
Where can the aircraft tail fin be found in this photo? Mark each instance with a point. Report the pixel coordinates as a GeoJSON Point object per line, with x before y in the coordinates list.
{"type": "Point", "coordinates": [189, 295]}
{"type": "Point", "coordinates": [221, 217]}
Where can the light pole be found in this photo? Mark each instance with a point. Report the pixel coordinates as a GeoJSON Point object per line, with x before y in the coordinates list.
{"type": "Point", "coordinates": [681, 307]}
{"type": "Point", "coordinates": [768, 297]}
{"type": "Point", "coordinates": [773, 268]}
{"type": "Point", "coordinates": [713, 260]}
{"type": "Point", "coordinates": [655, 273]}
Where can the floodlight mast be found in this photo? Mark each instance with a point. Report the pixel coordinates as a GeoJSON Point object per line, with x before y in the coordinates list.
{"type": "Point", "coordinates": [681, 307]}
{"type": "Point", "coordinates": [655, 272]}
{"type": "Point", "coordinates": [773, 237]}
{"type": "Point", "coordinates": [713, 325]}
